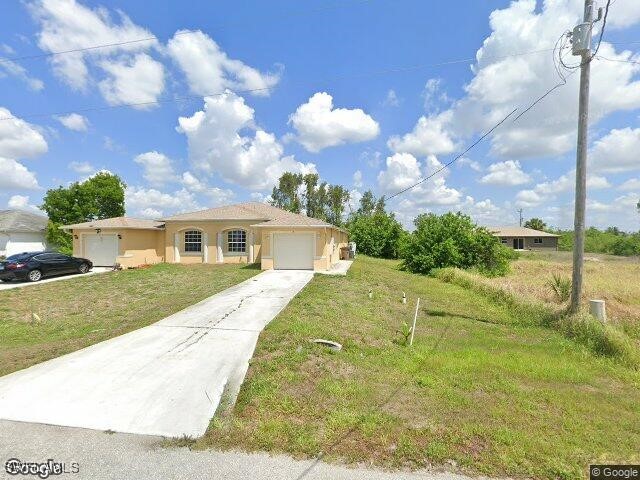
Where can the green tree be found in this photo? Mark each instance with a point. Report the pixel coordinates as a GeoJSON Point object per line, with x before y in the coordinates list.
{"type": "Point", "coordinates": [338, 196]}
{"type": "Point", "coordinates": [367, 204]}
{"type": "Point", "coordinates": [101, 196]}
{"type": "Point", "coordinates": [286, 195]}
{"type": "Point", "coordinates": [453, 240]}
{"type": "Point", "coordinates": [535, 223]}
{"type": "Point", "coordinates": [376, 235]}
{"type": "Point", "coordinates": [315, 196]}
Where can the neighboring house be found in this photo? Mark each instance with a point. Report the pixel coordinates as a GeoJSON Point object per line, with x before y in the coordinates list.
{"type": "Point", "coordinates": [21, 231]}
{"type": "Point", "coordinates": [242, 233]}
{"type": "Point", "coordinates": [521, 238]}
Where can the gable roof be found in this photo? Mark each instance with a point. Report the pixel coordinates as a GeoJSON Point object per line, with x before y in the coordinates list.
{"type": "Point", "coordinates": [118, 222]}
{"type": "Point", "coordinates": [21, 221]}
{"type": "Point", "coordinates": [268, 215]}
{"type": "Point", "coordinates": [519, 232]}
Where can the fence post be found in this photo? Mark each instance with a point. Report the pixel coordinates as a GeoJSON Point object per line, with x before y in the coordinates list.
{"type": "Point", "coordinates": [415, 317]}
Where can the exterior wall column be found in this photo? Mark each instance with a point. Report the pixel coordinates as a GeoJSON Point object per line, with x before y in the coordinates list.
{"type": "Point", "coordinates": [250, 240]}
{"type": "Point", "coordinates": [176, 248]}
{"type": "Point", "coordinates": [219, 258]}
{"type": "Point", "coordinates": [205, 246]}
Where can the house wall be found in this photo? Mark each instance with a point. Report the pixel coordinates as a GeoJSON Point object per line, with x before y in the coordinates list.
{"type": "Point", "coordinates": [326, 253]}
{"type": "Point", "coordinates": [18, 242]}
{"type": "Point", "coordinates": [210, 230]}
{"type": "Point", "coordinates": [136, 247]}
{"type": "Point", "coordinates": [548, 243]}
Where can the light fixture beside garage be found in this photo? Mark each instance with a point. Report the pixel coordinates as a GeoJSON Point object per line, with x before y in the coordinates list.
{"type": "Point", "coordinates": [98, 230]}
{"type": "Point", "coordinates": [119, 237]}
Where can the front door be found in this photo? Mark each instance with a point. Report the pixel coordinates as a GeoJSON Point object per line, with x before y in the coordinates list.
{"type": "Point", "coordinates": [518, 243]}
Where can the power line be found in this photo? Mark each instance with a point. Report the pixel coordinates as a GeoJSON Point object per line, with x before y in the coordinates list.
{"type": "Point", "coordinates": [485, 135]}
{"type": "Point", "coordinates": [262, 89]}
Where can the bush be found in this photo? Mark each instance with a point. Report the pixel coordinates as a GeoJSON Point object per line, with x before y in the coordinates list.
{"type": "Point", "coordinates": [561, 287]}
{"type": "Point", "coordinates": [453, 240]}
{"type": "Point", "coordinates": [376, 235]}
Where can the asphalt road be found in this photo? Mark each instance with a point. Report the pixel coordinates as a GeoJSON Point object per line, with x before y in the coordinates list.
{"type": "Point", "coordinates": [103, 456]}
{"type": "Point", "coordinates": [165, 379]}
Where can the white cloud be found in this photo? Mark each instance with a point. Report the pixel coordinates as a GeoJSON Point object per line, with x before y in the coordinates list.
{"type": "Point", "coordinates": [631, 184]}
{"type": "Point", "coordinates": [357, 179]}
{"type": "Point", "coordinates": [473, 165]}
{"type": "Point", "coordinates": [153, 203]}
{"type": "Point", "coordinates": [392, 99]}
{"type": "Point", "coordinates": [404, 170]}
{"type": "Point", "coordinates": [502, 82]}
{"type": "Point", "coordinates": [10, 68]}
{"type": "Point", "coordinates": [126, 72]}
{"type": "Point", "coordinates": [507, 173]}
{"type": "Point", "coordinates": [74, 121]}
{"type": "Point", "coordinates": [320, 125]}
{"type": "Point", "coordinates": [617, 151]}
{"type": "Point", "coordinates": [253, 160]}
{"type": "Point", "coordinates": [216, 195]}
{"type": "Point", "coordinates": [547, 191]}
{"type": "Point", "coordinates": [16, 176]}
{"type": "Point", "coordinates": [209, 70]}
{"type": "Point", "coordinates": [19, 139]}
{"type": "Point", "coordinates": [21, 202]}
{"type": "Point", "coordinates": [81, 167]}
{"type": "Point", "coordinates": [158, 168]}
{"type": "Point", "coordinates": [430, 136]}
{"type": "Point", "coordinates": [135, 80]}
{"type": "Point", "coordinates": [433, 95]}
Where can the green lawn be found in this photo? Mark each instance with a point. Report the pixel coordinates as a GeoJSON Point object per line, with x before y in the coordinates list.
{"type": "Point", "coordinates": [82, 311]}
{"type": "Point", "coordinates": [496, 398]}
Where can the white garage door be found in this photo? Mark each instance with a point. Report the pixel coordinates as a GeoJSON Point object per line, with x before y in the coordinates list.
{"type": "Point", "coordinates": [102, 250]}
{"type": "Point", "coordinates": [293, 251]}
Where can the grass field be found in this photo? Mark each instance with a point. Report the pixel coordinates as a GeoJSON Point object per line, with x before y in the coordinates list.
{"type": "Point", "coordinates": [82, 311]}
{"type": "Point", "coordinates": [476, 388]}
{"type": "Point", "coordinates": [613, 279]}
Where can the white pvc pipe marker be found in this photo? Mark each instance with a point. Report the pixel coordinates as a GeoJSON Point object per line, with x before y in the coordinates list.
{"type": "Point", "coordinates": [415, 317]}
{"type": "Point", "coordinates": [598, 310]}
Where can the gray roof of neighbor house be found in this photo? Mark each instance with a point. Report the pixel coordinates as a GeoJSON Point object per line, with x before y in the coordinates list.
{"type": "Point", "coordinates": [21, 221]}
{"type": "Point", "coordinates": [269, 216]}
{"type": "Point", "coordinates": [117, 222]}
{"type": "Point", "coordinates": [519, 232]}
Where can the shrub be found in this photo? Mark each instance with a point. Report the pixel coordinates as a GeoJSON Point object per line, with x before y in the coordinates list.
{"type": "Point", "coordinates": [561, 287]}
{"type": "Point", "coordinates": [376, 235]}
{"type": "Point", "coordinates": [453, 240]}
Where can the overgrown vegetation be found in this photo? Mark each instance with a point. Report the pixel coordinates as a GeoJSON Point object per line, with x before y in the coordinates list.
{"type": "Point", "coordinates": [612, 241]}
{"type": "Point", "coordinates": [560, 286]}
{"type": "Point", "coordinates": [482, 387]}
{"type": "Point", "coordinates": [601, 339]}
{"type": "Point", "coordinates": [101, 196]}
{"type": "Point", "coordinates": [453, 240]}
{"type": "Point", "coordinates": [375, 232]}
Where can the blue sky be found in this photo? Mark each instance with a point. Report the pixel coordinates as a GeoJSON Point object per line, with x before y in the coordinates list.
{"type": "Point", "coordinates": [370, 94]}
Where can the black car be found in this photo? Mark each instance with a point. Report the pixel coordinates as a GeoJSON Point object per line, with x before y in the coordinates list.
{"type": "Point", "coordinates": [34, 266]}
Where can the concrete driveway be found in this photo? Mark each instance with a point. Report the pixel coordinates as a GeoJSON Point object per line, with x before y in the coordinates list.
{"type": "Point", "coordinates": [165, 379]}
{"type": "Point", "coordinates": [16, 284]}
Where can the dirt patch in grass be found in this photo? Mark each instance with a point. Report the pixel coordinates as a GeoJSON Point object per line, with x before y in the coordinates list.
{"type": "Point", "coordinates": [478, 389]}
{"type": "Point", "coordinates": [85, 310]}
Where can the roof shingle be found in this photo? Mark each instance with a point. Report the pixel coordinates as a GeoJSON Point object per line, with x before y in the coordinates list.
{"type": "Point", "coordinates": [21, 221]}
{"type": "Point", "coordinates": [519, 232]}
{"type": "Point", "coordinates": [118, 222]}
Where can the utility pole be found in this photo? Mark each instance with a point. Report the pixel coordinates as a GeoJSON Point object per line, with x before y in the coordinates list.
{"type": "Point", "coordinates": [520, 212]}
{"type": "Point", "coordinates": [581, 45]}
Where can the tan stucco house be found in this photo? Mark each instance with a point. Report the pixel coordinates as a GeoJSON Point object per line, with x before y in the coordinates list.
{"type": "Point", "coordinates": [243, 233]}
{"type": "Point", "coordinates": [521, 238]}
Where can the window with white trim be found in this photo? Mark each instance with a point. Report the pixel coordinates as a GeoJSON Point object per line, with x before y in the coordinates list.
{"type": "Point", "coordinates": [192, 241]}
{"type": "Point", "coordinates": [237, 241]}
{"type": "Point", "coordinates": [537, 241]}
